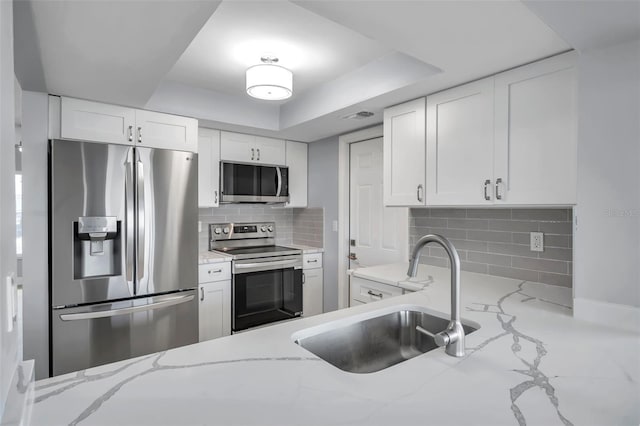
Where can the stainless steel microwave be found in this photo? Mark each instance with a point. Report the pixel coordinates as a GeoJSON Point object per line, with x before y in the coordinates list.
{"type": "Point", "coordinates": [253, 183]}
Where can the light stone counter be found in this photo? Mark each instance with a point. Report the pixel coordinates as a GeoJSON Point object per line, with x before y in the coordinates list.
{"type": "Point", "coordinates": [529, 363]}
{"type": "Point", "coordinates": [306, 249]}
{"type": "Point", "coordinates": [206, 257]}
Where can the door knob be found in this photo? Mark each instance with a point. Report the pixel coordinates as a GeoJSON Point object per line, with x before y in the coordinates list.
{"type": "Point", "coordinates": [353, 256]}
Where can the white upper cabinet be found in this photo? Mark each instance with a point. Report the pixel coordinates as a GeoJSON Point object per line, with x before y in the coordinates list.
{"type": "Point", "coordinates": [97, 122]}
{"type": "Point", "coordinates": [297, 162]}
{"type": "Point", "coordinates": [93, 121]}
{"type": "Point", "coordinates": [536, 133]}
{"type": "Point", "coordinates": [404, 154]}
{"type": "Point", "coordinates": [243, 148]}
{"type": "Point", "coordinates": [208, 167]}
{"type": "Point", "coordinates": [165, 131]}
{"type": "Point", "coordinates": [460, 145]}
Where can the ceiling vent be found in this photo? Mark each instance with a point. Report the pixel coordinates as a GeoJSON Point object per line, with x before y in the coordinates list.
{"type": "Point", "coordinates": [360, 115]}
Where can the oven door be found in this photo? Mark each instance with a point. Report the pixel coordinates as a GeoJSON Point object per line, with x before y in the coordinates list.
{"type": "Point", "coordinates": [266, 291]}
{"type": "Point", "coordinates": [250, 183]}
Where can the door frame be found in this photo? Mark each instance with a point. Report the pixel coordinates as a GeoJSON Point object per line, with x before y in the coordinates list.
{"type": "Point", "coordinates": [344, 142]}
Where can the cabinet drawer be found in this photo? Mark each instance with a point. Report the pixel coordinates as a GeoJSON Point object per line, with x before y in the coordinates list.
{"type": "Point", "coordinates": [370, 291]}
{"type": "Point", "coordinates": [312, 261]}
{"type": "Point", "coordinates": [210, 272]}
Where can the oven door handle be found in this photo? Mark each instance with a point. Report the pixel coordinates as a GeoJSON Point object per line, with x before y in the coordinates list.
{"type": "Point", "coordinates": [265, 264]}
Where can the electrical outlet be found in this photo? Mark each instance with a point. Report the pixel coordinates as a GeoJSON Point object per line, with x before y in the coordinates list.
{"type": "Point", "coordinates": [537, 241]}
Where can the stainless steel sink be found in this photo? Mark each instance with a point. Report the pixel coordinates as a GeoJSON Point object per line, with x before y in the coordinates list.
{"type": "Point", "coordinates": [376, 343]}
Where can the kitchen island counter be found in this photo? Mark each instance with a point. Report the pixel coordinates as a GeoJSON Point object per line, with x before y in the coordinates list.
{"type": "Point", "coordinates": [530, 363]}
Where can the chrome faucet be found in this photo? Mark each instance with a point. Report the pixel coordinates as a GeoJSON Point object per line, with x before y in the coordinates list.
{"type": "Point", "coordinates": [453, 336]}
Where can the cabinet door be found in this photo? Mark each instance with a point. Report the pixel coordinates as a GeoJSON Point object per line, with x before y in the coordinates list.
{"type": "Point", "coordinates": [208, 167]}
{"type": "Point", "coordinates": [165, 131]}
{"type": "Point", "coordinates": [460, 145]}
{"type": "Point", "coordinates": [237, 147]}
{"type": "Point", "coordinates": [215, 310]}
{"type": "Point", "coordinates": [312, 292]}
{"type": "Point", "coordinates": [404, 154]}
{"type": "Point", "coordinates": [297, 164]}
{"type": "Point", "coordinates": [96, 122]}
{"type": "Point", "coordinates": [270, 151]}
{"type": "Point", "coordinates": [536, 133]}
{"type": "Point", "coordinates": [367, 291]}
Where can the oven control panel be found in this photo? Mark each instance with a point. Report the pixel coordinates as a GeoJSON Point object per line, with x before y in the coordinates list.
{"type": "Point", "coordinates": [241, 231]}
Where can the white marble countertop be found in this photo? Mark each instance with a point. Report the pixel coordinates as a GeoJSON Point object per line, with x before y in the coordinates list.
{"type": "Point", "coordinates": [306, 249]}
{"type": "Point", "coordinates": [530, 363]}
{"type": "Point", "coordinates": [396, 274]}
{"type": "Point", "coordinates": [206, 257]}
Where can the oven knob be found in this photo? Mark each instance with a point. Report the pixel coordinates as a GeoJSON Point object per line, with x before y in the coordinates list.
{"type": "Point", "coordinates": [263, 228]}
{"type": "Point", "coordinates": [225, 230]}
{"type": "Point", "coordinates": [270, 228]}
{"type": "Point", "coordinates": [217, 231]}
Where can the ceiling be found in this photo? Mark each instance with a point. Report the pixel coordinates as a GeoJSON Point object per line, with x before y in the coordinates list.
{"type": "Point", "coordinates": [189, 56]}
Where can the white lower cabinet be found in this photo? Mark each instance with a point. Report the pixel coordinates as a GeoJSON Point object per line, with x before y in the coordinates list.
{"type": "Point", "coordinates": [366, 291]}
{"type": "Point", "coordinates": [312, 284]}
{"type": "Point", "coordinates": [215, 300]}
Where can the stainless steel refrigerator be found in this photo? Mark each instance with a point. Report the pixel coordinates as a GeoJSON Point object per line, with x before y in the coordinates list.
{"type": "Point", "coordinates": [123, 252]}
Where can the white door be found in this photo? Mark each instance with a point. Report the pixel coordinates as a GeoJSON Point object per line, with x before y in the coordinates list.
{"type": "Point", "coordinates": [96, 122]}
{"type": "Point", "coordinates": [208, 167]}
{"type": "Point", "coordinates": [165, 131]}
{"type": "Point", "coordinates": [404, 154]}
{"type": "Point", "coordinates": [536, 133]}
{"type": "Point", "coordinates": [297, 162]}
{"type": "Point", "coordinates": [238, 147]}
{"type": "Point", "coordinates": [270, 151]}
{"type": "Point", "coordinates": [215, 310]}
{"type": "Point", "coordinates": [377, 234]}
{"type": "Point", "coordinates": [460, 145]}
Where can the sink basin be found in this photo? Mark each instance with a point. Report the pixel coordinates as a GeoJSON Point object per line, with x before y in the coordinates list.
{"type": "Point", "coordinates": [377, 342]}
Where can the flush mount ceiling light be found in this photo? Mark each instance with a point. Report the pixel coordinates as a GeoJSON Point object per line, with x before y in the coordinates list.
{"type": "Point", "coordinates": [269, 81]}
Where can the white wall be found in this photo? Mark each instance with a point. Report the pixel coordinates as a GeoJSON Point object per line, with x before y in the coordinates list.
{"type": "Point", "coordinates": [35, 230]}
{"type": "Point", "coordinates": [607, 238]}
{"type": "Point", "coordinates": [323, 192]}
{"type": "Point", "coordinates": [8, 340]}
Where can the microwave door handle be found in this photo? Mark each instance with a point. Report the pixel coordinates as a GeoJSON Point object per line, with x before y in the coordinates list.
{"type": "Point", "coordinates": [140, 246]}
{"type": "Point", "coordinates": [279, 176]}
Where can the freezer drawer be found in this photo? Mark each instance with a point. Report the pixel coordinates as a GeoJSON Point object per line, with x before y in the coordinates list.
{"type": "Point", "coordinates": [98, 334]}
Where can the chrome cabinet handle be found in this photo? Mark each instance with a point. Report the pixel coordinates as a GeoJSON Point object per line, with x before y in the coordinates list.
{"type": "Point", "coordinates": [419, 192]}
{"type": "Point", "coordinates": [304, 278]}
{"type": "Point", "coordinates": [215, 196]}
{"type": "Point", "coordinates": [139, 134]}
{"type": "Point", "coordinates": [217, 271]}
{"type": "Point", "coordinates": [258, 150]}
{"type": "Point", "coordinates": [486, 186]}
{"type": "Point", "coordinates": [312, 261]}
{"type": "Point", "coordinates": [201, 294]}
{"type": "Point", "coordinates": [253, 154]}
{"type": "Point", "coordinates": [371, 293]}
{"type": "Point", "coordinates": [498, 183]}
{"type": "Point", "coordinates": [130, 133]}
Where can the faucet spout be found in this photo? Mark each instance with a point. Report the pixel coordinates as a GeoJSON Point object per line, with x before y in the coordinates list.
{"type": "Point", "coordinates": [453, 336]}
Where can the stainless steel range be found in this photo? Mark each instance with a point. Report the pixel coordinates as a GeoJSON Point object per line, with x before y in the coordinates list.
{"type": "Point", "coordinates": [267, 279]}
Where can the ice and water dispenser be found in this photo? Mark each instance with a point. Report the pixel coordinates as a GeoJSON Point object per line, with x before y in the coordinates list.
{"type": "Point", "coordinates": [97, 247]}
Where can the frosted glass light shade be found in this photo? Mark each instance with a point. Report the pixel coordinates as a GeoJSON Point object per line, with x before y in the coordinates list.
{"type": "Point", "coordinates": [270, 82]}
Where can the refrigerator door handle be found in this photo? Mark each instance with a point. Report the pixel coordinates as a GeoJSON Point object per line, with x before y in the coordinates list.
{"type": "Point", "coordinates": [140, 244]}
{"type": "Point", "coordinates": [129, 218]}
{"type": "Point", "coordinates": [125, 311]}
